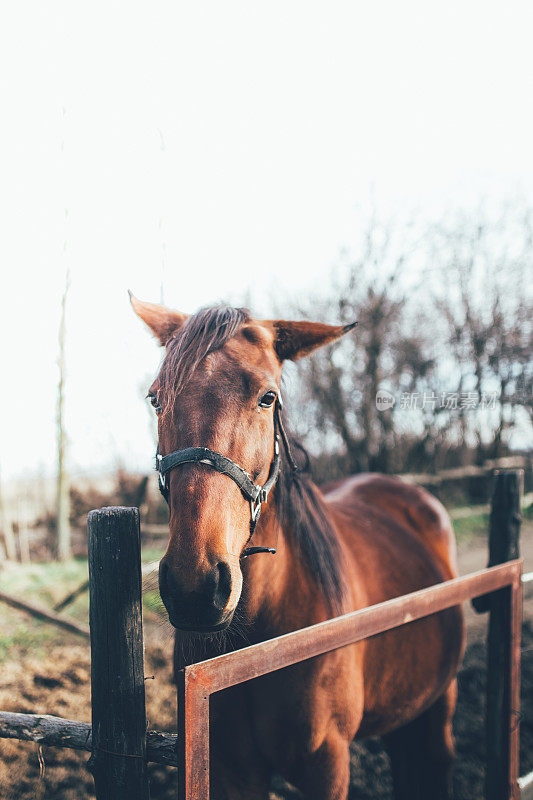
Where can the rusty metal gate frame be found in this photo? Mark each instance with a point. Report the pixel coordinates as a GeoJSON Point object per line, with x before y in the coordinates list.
{"type": "Point", "coordinates": [197, 682]}
{"type": "Point", "coordinates": [116, 530]}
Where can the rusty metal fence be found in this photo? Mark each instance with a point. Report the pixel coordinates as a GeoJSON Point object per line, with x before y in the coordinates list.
{"type": "Point", "coordinates": [117, 739]}
{"type": "Point", "coordinates": [199, 681]}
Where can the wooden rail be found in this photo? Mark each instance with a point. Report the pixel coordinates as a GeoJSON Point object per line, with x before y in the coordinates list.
{"type": "Point", "coordinates": [47, 616]}
{"type": "Point", "coordinates": [147, 572]}
{"type": "Point", "coordinates": [59, 732]}
{"type": "Point", "coordinates": [508, 463]}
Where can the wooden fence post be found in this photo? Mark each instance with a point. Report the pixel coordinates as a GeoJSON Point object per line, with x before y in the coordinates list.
{"type": "Point", "coordinates": [503, 642]}
{"type": "Point", "coordinates": [118, 760]}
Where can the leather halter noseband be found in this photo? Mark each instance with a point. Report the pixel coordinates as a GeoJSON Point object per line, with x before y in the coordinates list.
{"type": "Point", "coordinates": [255, 494]}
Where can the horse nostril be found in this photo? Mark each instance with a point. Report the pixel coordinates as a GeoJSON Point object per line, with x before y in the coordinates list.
{"type": "Point", "coordinates": [207, 599]}
{"type": "Point", "coordinates": [222, 580]}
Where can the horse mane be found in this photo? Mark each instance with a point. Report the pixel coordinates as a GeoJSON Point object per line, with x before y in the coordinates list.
{"type": "Point", "coordinates": [303, 511]}
{"type": "Point", "coordinates": [300, 505]}
{"type": "Point", "coordinates": [207, 330]}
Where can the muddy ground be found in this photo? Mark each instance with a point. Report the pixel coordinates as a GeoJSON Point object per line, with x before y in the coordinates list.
{"type": "Point", "coordinates": [58, 683]}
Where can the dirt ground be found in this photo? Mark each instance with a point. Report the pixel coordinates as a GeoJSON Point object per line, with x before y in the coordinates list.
{"type": "Point", "coordinates": [59, 684]}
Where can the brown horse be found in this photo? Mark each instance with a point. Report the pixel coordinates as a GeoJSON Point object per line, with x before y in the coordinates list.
{"type": "Point", "coordinates": [359, 541]}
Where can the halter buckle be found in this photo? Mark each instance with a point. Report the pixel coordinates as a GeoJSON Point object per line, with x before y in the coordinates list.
{"type": "Point", "coordinates": [255, 507]}
{"type": "Point", "coordinates": [161, 475]}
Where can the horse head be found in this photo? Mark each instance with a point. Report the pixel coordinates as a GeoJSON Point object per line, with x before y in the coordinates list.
{"type": "Point", "coordinates": [217, 398]}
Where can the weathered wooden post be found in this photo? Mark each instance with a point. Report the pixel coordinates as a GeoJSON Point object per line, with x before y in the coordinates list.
{"type": "Point", "coordinates": [503, 642]}
{"type": "Point", "coordinates": [118, 760]}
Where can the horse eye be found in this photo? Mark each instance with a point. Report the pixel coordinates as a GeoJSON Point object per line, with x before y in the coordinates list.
{"type": "Point", "coordinates": [267, 400]}
{"type": "Point", "coordinates": [155, 403]}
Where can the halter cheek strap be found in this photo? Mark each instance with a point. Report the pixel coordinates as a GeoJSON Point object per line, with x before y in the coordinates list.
{"type": "Point", "coordinates": [254, 493]}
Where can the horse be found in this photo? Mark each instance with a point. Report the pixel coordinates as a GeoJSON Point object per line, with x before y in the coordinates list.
{"type": "Point", "coordinates": [237, 494]}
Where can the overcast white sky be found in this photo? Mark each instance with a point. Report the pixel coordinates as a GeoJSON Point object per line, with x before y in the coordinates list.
{"type": "Point", "coordinates": [234, 144]}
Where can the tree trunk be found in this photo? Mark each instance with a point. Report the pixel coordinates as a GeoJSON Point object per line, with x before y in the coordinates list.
{"type": "Point", "coordinates": [63, 496]}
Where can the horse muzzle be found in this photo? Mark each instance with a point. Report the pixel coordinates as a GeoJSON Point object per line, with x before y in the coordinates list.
{"type": "Point", "coordinates": [203, 610]}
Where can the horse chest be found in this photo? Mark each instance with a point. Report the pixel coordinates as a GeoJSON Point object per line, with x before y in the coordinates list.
{"type": "Point", "coordinates": [287, 714]}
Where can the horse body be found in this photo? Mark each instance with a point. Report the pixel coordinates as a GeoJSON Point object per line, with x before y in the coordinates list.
{"type": "Point", "coordinates": [299, 721]}
{"type": "Point", "coordinates": [402, 554]}
{"type": "Point", "coordinates": [363, 540]}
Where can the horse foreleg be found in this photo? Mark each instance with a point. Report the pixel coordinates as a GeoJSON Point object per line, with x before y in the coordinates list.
{"type": "Point", "coordinates": [237, 769]}
{"type": "Point", "coordinates": [248, 782]}
{"type": "Point", "coordinates": [422, 752]}
{"type": "Point", "coordinates": [325, 774]}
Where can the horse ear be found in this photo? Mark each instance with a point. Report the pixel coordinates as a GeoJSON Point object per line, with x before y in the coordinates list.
{"type": "Point", "coordinates": [296, 339]}
{"type": "Point", "coordinates": [163, 322]}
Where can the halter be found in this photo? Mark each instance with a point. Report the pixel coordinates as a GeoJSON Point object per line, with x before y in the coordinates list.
{"type": "Point", "coordinates": [255, 494]}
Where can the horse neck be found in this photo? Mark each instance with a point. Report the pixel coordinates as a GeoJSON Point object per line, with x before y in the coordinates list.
{"type": "Point", "coordinates": [279, 593]}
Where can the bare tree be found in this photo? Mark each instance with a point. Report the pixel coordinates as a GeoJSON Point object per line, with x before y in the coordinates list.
{"type": "Point", "coordinates": [8, 549]}
{"type": "Point", "coordinates": [63, 496]}
{"type": "Point", "coordinates": [456, 335]}
{"type": "Point", "coordinates": [342, 382]}
{"type": "Point", "coordinates": [483, 297]}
